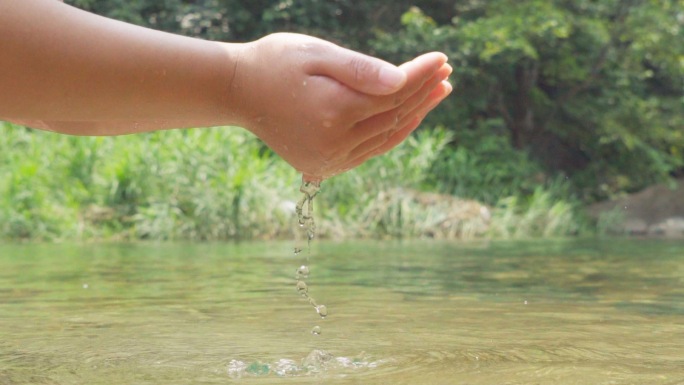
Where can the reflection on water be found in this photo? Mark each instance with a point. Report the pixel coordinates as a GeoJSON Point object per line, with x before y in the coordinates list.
{"type": "Point", "coordinates": [569, 312]}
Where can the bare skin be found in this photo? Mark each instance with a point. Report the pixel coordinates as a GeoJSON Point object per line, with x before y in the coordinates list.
{"type": "Point", "coordinates": [323, 108]}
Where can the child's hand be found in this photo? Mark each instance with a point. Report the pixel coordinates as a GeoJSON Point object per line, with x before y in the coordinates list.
{"type": "Point", "coordinates": [326, 109]}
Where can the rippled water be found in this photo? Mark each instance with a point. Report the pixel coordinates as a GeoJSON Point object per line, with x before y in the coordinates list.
{"type": "Point", "coordinates": [567, 312]}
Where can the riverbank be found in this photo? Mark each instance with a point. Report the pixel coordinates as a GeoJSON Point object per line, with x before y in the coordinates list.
{"type": "Point", "coordinates": [657, 211]}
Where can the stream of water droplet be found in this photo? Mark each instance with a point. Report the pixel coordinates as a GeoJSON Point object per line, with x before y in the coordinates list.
{"type": "Point", "coordinates": [305, 218]}
{"type": "Point", "coordinates": [305, 208]}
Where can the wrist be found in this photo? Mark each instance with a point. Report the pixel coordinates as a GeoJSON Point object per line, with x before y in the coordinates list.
{"type": "Point", "coordinates": [241, 98]}
{"type": "Point", "coordinates": [232, 95]}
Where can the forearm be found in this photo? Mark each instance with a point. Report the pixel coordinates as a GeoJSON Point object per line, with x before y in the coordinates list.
{"type": "Point", "coordinates": [126, 74]}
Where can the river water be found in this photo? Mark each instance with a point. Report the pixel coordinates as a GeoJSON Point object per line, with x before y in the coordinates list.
{"type": "Point", "coordinates": [537, 312]}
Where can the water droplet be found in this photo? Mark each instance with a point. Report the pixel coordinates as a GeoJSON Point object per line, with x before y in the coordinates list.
{"type": "Point", "coordinates": [302, 288]}
{"type": "Point", "coordinates": [303, 271]}
{"type": "Point", "coordinates": [316, 331]}
{"type": "Point", "coordinates": [322, 310]}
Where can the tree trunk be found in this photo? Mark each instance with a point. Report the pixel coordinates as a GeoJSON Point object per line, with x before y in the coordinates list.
{"type": "Point", "coordinates": [522, 116]}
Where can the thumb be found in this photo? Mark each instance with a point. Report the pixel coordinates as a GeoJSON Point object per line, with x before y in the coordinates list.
{"type": "Point", "coordinates": [360, 72]}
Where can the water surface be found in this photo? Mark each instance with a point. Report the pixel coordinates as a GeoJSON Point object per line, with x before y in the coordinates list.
{"type": "Point", "coordinates": [543, 312]}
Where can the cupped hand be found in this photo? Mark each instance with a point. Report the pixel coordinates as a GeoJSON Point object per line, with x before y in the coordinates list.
{"type": "Point", "coordinates": [326, 109]}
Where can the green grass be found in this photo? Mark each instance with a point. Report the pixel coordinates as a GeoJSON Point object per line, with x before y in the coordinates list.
{"type": "Point", "coordinates": [223, 184]}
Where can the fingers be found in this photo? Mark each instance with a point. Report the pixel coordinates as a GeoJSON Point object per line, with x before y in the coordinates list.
{"type": "Point", "coordinates": [369, 77]}
{"type": "Point", "coordinates": [359, 107]}
{"type": "Point", "coordinates": [390, 120]}
{"type": "Point", "coordinates": [383, 142]}
{"type": "Point", "coordinates": [379, 104]}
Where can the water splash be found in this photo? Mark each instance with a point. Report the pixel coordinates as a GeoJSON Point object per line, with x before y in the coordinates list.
{"type": "Point", "coordinates": [317, 361]}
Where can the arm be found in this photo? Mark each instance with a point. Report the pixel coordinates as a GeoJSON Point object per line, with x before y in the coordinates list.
{"type": "Point", "coordinates": [62, 64]}
{"type": "Point", "coordinates": [323, 108]}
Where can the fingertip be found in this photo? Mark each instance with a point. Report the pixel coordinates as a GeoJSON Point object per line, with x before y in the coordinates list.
{"type": "Point", "coordinates": [448, 87]}
{"type": "Point", "coordinates": [441, 92]}
{"type": "Point", "coordinates": [446, 70]}
{"type": "Point", "coordinates": [438, 59]}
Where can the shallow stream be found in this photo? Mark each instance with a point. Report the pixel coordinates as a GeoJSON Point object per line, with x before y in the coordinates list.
{"type": "Point", "coordinates": [542, 312]}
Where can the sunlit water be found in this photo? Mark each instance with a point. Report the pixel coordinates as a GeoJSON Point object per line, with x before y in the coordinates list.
{"type": "Point", "coordinates": [573, 312]}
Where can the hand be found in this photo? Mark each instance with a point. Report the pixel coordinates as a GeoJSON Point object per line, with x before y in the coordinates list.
{"type": "Point", "coordinates": [326, 109]}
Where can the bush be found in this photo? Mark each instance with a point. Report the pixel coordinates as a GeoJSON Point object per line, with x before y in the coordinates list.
{"type": "Point", "coordinates": [223, 184]}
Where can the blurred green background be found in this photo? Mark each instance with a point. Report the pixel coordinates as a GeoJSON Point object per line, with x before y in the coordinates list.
{"type": "Point", "coordinates": [558, 104]}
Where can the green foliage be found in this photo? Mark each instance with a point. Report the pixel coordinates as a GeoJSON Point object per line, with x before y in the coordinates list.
{"type": "Point", "coordinates": [483, 165]}
{"type": "Point", "coordinates": [28, 206]}
{"type": "Point", "coordinates": [344, 21]}
{"type": "Point", "coordinates": [191, 184]}
{"type": "Point", "coordinates": [350, 201]}
{"type": "Point", "coordinates": [222, 184]}
{"type": "Point", "coordinates": [540, 214]}
{"type": "Point", "coordinates": [593, 90]}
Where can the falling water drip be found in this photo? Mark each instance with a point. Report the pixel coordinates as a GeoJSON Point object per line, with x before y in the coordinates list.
{"type": "Point", "coordinates": [322, 310]}
{"type": "Point", "coordinates": [304, 210]}
{"type": "Point", "coordinates": [302, 289]}
{"type": "Point", "coordinates": [302, 272]}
